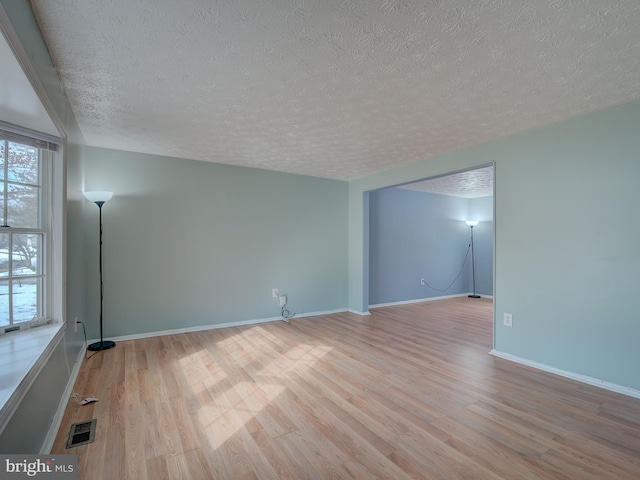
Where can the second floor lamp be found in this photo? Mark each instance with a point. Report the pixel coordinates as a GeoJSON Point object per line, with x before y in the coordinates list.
{"type": "Point", "coordinates": [471, 224]}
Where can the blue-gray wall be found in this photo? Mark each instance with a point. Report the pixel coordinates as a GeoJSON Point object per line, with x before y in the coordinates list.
{"type": "Point", "coordinates": [566, 263]}
{"type": "Point", "coordinates": [28, 428]}
{"type": "Point", "coordinates": [189, 243]}
{"type": "Point", "coordinates": [414, 235]}
{"type": "Point", "coordinates": [481, 209]}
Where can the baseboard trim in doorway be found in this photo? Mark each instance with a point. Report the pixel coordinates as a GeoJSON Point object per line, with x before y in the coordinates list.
{"type": "Point", "coordinates": [420, 300]}
{"type": "Point", "coordinates": [578, 377]}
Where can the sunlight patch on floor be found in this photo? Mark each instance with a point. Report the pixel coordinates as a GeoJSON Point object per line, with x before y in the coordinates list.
{"type": "Point", "coordinates": [228, 401]}
{"type": "Point", "coordinates": [224, 419]}
{"type": "Point", "coordinates": [295, 361]}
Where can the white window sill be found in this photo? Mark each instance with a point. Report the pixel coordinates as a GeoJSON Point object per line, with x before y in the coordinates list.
{"type": "Point", "coordinates": [22, 357]}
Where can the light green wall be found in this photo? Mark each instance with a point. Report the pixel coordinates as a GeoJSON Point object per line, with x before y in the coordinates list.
{"type": "Point", "coordinates": [189, 243]}
{"type": "Point", "coordinates": [567, 253]}
{"type": "Point", "coordinates": [566, 241]}
{"type": "Point", "coordinates": [27, 429]}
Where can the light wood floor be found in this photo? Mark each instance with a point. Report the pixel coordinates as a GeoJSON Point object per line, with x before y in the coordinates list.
{"type": "Point", "coordinates": [409, 392]}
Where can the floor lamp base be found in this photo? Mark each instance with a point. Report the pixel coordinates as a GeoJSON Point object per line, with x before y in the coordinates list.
{"type": "Point", "coordinates": [474, 296]}
{"type": "Point", "coordinates": [104, 345]}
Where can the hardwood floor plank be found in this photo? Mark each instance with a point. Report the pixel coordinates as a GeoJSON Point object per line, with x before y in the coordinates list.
{"type": "Point", "coordinates": [440, 459]}
{"type": "Point", "coordinates": [184, 424]}
{"type": "Point", "coordinates": [197, 465]}
{"type": "Point", "coordinates": [415, 466]}
{"type": "Point", "coordinates": [362, 430]}
{"type": "Point", "coordinates": [572, 467]}
{"type": "Point", "coordinates": [407, 393]}
{"type": "Point", "coordinates": [509, 435]}
{"type": "Point", "coordinates": [135, 464]}
{"type": "Point", "coordinates": [156, 468]}
{"type": "Point", "coordinates": [279, 463]}
{"type": "Point", "coordinates": [308, 464]}
{"type": "Point", "coordinates": [576, 442]}
{"type": "Point", "coordinates": [152, 445]}
{"type": "Point", "coordinates": [168, 433]}
{"type": "Point", "coordinates": [177, 467]}
{"type": "Point", "coordinates": [491, 454]}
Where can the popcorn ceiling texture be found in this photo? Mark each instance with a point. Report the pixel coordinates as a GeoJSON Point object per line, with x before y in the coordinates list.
{"type": "Point", "coordinates": [335, 88]}
{"type": "Point", "coordinates": [470, 184]}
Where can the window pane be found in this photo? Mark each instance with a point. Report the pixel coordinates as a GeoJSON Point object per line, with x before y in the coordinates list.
{"type": "Point", "coordinates": [23, 164]}
{"type": "Point", "coordinates": [27, 248]}
{"type": "Point", "coordinates": [2, 222]}
{"type": "Point", "coordinates": [4, 255]}
{"type": "Point", "coordinates": [26, 293]}
{"type": "Point", "coordinates": [4, 303]}
{"type": "Point", "coordinates": [22, 206]}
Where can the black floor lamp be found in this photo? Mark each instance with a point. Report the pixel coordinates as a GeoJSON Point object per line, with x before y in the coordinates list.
{"type": "Point", "coordinates": [100, 198]}
{"type": "Point", "coordinates": [473, 223]}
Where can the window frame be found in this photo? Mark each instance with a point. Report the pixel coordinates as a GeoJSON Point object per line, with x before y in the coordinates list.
{"type": "Point", "coordinates": [49, 306]}
{"type": "Point", "coordinates": [26, 352]}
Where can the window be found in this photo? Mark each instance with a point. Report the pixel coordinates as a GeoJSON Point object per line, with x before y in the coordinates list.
{"type": "Point", "coordinates": [25, 229]}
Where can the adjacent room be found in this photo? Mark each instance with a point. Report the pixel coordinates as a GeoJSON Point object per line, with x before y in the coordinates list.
{"type": "Point", "coordinates": [420, 243]}
{"type": "Point", "coordinates": [308, 239]}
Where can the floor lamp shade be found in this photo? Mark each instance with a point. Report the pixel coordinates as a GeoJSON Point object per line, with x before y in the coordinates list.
{"type": "Point", "coordinates": [100, 198]}
{"type": "Point", "coordinates": [471, 224]}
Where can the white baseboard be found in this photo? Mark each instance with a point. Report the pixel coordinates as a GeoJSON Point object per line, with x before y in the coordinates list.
{"type": "Point", "coordinates": [362, 314]}
{"type": "Point", "coordinates": [47, 445]}
{"type": "Point", "coordinates": [417, 300]}
{"type": "Point", "coordinates": [571, 375]}
{"type": "Point", "coordinates": [202, 328]}
{"type": "Point", "coordinates": [317, 314]}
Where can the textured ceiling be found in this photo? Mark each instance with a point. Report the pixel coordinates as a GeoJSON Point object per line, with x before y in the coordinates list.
{"type": "Point", "coordinates": [335, 88]}
{"type": "Point", "coordinates": [469, 184]}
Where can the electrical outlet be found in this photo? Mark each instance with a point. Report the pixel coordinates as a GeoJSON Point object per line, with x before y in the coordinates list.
{"type": "Point", "coordinates": [508, 320]}
{"type": "Point", "coordinates": [283, 300]}
{"type": "Point", "coordinates": [274, 293]}
{"type": "Point", "coordinates": [422, 282]}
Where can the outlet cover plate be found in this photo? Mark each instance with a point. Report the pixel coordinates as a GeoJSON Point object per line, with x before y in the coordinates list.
{"type": "Point", "coordinates": [508, 320]}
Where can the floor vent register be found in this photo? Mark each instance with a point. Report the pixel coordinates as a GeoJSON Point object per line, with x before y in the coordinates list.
{"type": "Point", "coordinates": [82, 433]}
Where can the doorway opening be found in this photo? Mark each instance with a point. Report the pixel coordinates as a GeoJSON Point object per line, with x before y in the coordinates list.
{"type": "Point", "coordinates": [419, 244]}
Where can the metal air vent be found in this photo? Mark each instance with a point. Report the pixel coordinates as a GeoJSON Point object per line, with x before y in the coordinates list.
{"type": "Point", "coordinates": [81, 433]}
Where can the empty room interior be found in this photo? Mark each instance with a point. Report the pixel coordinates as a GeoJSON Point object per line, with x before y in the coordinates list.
{"type": "Point", "coordinates": [303, 239]}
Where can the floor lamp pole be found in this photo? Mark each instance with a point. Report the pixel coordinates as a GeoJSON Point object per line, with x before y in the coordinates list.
{"type": "Point", "coordinates": [102, 344]}
{"type": "Point", "coordinates": [473, 260]}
